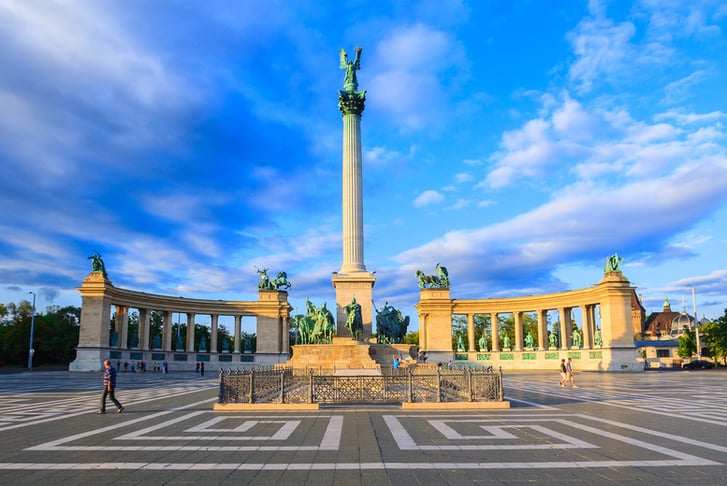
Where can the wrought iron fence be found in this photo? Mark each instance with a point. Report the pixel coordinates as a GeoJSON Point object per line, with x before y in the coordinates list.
{"type": "Point", "coordinates": [287, 385]}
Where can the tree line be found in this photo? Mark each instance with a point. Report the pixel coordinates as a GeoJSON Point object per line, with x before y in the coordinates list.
{"type": "Point", "coordinates": [55, 334]}
{"type": "Point", "coordinates": [712, 337]}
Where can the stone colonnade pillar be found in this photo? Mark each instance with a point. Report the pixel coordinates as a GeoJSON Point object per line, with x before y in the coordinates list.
{"type": "Point", "coordinates": [495, 326]}
{"type": "Point", "coordinates": [167, 336]}
{"type": "Point", "coordinates": [238, 332]}
{"type": "Point", "coordinates": [542, 329]}
{"type": "Point", "coordinates": [470, 332]}
{"type": "Point", "coordinates": [190, 332]}
{"type": "Point", "coordinates": [143, 329]}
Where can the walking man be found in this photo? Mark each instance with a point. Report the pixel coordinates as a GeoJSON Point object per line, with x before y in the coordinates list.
{"type": "Point", "coordinates": [569, 370]}
{"type": "Point", "coordinates": [563, 373]}
{"type": "Point", "coordinates": [109, 385]}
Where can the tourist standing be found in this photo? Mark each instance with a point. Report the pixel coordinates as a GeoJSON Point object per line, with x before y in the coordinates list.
{"type": "Point", "coordinates": [569, 370]}
{"type": "Point", "coordinates": [201, 369]}
{"type": "Point", "coordinates": [109, 385]}
{"type": "Point", "coordinates": [563, 373]}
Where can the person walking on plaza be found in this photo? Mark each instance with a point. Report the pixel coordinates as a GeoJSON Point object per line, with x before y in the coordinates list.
{"type": "Point", "coordinates": [109, 385]}
{"type": "Point", "coordinates": [569, 370]}
{"type": "Point", "coordinates": [563, 373]}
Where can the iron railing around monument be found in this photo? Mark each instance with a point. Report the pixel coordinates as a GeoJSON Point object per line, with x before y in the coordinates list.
{"type": "Point", "coordinates": [288, 385]}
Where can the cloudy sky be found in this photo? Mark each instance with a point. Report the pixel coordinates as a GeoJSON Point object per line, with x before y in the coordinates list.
{"type": "Point", "coordinates": [517, 143]}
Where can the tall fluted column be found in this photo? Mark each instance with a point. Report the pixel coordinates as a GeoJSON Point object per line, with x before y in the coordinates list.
{"type": "Point", "coordinates": [352, 281]}
{"type": "Point", "coordinates": [352, 105]}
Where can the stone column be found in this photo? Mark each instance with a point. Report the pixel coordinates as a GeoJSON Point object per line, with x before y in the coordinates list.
{"type": "Point", "coordinates": [236, 339]}
{"type": "Point", "coordinates": [569, 326]}
{"type": "Point", "coordinates": [144, 329]}
{"type": "Point", "coordinates": [542, 329]}
{"type": "Point", "coordinates": [586, 326]}
{"type": "Point", "coordinates": [471, 332]}
{"type": "Point", "coordinates": [123, 314]}
{"type": "Point", "coordinates": [213, 333]}
{"type": "Point", "coordinates": [351, 105]}
{"type": "Point", "coordinates": [167, 334]}
{"type": "Point", "coordinates": [564, 338]}
{"type": "Point", "coordinates": [190, 332]}
{"type": "Point", "coordinates": [495, 336]}
{"type": "Point", "coordinates": [518, 320]}
{"type": "Point", "coordinates": [352, 280]}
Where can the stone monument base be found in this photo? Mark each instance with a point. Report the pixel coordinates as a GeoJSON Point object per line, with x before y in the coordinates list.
{"type": "Point", "coordinates": [343, 353]}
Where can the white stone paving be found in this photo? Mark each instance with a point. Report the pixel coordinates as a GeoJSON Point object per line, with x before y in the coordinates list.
{"type": "Point", "coordinates": [534, 426]}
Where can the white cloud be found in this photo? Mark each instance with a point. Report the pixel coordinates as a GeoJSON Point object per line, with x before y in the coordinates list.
{"type": "Point", "coordinates": [682, 89]}
{"type": "Point", "coordinates": [682, 118]}
{"type": "Point", "coordinates": [410, 61]}
{"type": "Point", "coordinates": [525, 153]}
{"type": "Point", "coordinates": [582, 220]}
{"type": "Point", "coordinates": [601, 48]}
{"type": "Point", "coordinates": [428, 198]}
{"type": "Point", "coordinates": [598, 143]}
{"type": "Point", "coordinates": [571, 121]}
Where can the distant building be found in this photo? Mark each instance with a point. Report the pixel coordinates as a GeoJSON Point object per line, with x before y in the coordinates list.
{"type": "Point", "coordinates": [660, 337]}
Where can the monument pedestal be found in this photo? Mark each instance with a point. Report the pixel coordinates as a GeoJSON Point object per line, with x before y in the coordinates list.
{"type": "Point", "coordinates": [349, 285]}
{"type": "Point", "coordinates": [343, 353]}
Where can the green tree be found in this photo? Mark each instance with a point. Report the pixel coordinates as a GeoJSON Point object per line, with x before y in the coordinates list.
{"type": "Point", "coordinates": [223, 335]}
{"type": "Point", "coordinates": [55, 335]}
{"type": "Point", "coordinates": [506, 327]}
{"type": "Point", "coordinates": [715, 338]}
{"type": "Point", "coordinates": [412, 338]}
{"type": "Point", "coordinates": [459, 328]}
{"type": "Point", "coordinates": [202, 331]}
{"type": "Point", "coordinates": [687, 344]}
{"type": "Point", "coordinates": [133, 327]}
{"type": "Point", "coordinates": [530, 325]}
{"type": "Point", "coordinates": [156, 325]}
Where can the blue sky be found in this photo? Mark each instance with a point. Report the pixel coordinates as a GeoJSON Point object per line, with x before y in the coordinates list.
{"type": "Point", "coordinates": [517, 143]}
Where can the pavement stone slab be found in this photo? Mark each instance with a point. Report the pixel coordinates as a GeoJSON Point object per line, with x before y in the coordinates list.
{"type": "Point", "coordinates": [648, 428]}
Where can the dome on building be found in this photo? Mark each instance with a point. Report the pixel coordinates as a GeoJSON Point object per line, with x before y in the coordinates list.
{"type": "Point", "coordinates": [680, 321]}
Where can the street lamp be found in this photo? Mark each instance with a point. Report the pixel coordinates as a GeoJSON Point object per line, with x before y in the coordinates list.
{"type": "Point", "coordinates": [696, 322]}
{"type": "Point", "coordinates": [31, 351]}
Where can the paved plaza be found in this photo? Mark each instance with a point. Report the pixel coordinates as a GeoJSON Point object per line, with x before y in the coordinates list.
{"type": "Point", "coordinates": [661, 427]}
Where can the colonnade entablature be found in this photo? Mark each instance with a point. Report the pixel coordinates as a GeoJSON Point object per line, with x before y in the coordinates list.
{"type": "Point", "coordinates": [605, 313]}
{"type": "Point", "coordinates": [98, 342]}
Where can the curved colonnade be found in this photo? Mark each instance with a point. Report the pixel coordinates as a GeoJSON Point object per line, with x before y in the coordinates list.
{"type": "Point", "coordinates": [611, 302]}
{"type": "Point", "coordinates": [271, 311]}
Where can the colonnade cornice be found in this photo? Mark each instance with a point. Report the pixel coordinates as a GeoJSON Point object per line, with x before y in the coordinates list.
{"type": "Point", "coordinates": [533, 303]}
{"type": "Point", "coordinates": [142, 300]}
